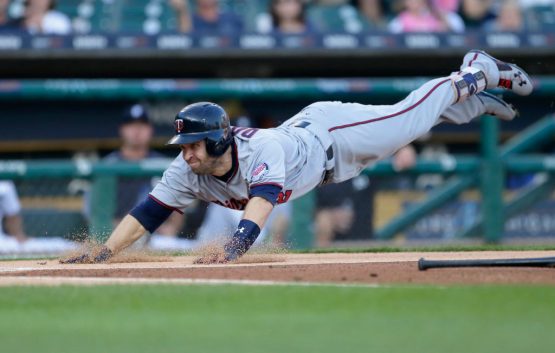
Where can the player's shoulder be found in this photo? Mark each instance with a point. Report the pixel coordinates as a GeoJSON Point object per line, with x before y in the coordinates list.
{"type": "Point", "coordinates": [265, 147]}
{"type": "Point", "coordinates": [254, 137]}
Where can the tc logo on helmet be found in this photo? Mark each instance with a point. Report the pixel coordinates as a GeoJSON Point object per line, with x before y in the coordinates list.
{"type": "Point", "coordinates": [179, 125]}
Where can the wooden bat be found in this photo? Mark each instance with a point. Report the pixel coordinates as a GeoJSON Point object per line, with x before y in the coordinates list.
{"type": "Point", "coordinates": [424, 264]}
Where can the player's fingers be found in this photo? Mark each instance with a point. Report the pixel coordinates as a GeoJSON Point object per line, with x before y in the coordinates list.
{"type": "Point", "coordinates": [203, 260]}
{"type": "Point", "coordinates": [221, 259]}
{"type": "Point", "coordinates": [79, 259]}
{"type": "Point", "coordinates": [208, 259]}
{"type": "Point", "coordinates": [103, 255]}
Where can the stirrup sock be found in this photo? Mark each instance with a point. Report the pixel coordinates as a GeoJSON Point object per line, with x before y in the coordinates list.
{"type": "Point", "coordinates": [468, 82]}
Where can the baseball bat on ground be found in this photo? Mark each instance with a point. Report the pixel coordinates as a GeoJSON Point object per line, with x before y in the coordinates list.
{"type": "Point", "coordinates": [424, 264]}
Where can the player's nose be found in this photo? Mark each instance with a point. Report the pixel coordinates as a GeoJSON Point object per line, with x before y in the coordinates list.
{"type": "Point", "coordinates": [187, 152]}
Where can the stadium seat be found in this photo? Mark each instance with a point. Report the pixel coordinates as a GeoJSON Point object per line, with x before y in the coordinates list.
{"type": "Point", "coordinates": [133, 15]}
{"type": "Point", "coordinates": [540, 17]}
{"type": "Point", "coordinates": [91, 15]}
{"type": "Point", "coordinates": [254, 13]}
{"type": "Point", "coordinates": [335, 18]}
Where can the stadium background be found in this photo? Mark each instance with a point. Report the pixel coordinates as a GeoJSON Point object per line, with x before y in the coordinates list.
{"type": "Point", "coordinates": [61, 97]}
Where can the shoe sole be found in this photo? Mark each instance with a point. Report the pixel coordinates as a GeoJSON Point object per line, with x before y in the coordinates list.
{"type": "Point", "coordinates": [502, 102]}
{"type": "Point", "coordinates": [524, 73]}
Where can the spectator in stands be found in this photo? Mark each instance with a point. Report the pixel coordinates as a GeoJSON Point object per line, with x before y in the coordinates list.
{"type": "Point", "coordinates": [475, 13]}
{"type": "Point", "coordinates": [40, 17]}
{"type": "Point", "coordinates": [284, 16]}
{"type": "Point", "coordinates": [136, 134]}
{"type": "Point", "coordinates": [509, 19]}
{"type": "Point", "coordinates": [11, 223]}
{"type": "Point", "coordinates": [372, 13]}
{"type": "Point", "coordinates": [425, 16]}
{"type": "Point", "coordinates": [447, 5]}
{"type": "Point", "coordinates": [207, 17]}
{"type": "Point", "coordinates": [331, 2]}
{"type": "Point", "coordinates": [4, 18]}
{"type": "Point", "coordinates": [289, 16]}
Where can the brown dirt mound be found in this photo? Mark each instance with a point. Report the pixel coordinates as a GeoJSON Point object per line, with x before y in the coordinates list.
{"type": "Point", "coordinates": [398, 268]}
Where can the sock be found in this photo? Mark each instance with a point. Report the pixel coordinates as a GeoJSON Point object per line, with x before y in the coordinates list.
{"type": "Point", "coordinates": [468, 82]}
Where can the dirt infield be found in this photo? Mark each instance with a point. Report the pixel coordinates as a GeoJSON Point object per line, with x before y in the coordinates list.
{"type": "Point", "coordinates": [347, 268]}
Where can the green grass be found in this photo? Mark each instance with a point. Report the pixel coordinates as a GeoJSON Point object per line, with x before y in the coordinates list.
{"type": "Point", "coordinates": [268, 319]}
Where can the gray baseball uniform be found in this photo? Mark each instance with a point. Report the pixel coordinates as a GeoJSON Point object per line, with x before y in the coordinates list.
{"type": "Point", "coordinates": [326, 141]}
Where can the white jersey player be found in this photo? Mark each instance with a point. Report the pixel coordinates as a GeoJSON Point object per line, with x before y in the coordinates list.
{"type": "Point", "coordinates": [10, 209]}
{"type": "Point", "coordinates": [327, 142]}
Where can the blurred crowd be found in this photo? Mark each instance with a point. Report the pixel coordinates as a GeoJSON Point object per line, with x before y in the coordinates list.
{"type": "Point", "coordinates": [273, 16]}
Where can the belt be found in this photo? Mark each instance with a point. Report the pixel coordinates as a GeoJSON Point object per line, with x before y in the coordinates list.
{"type": "Point", "coordinates": [323, 136]}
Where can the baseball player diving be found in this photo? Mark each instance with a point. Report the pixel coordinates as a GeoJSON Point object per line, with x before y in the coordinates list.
{"type": "Point", "coordinates": [327, 142]}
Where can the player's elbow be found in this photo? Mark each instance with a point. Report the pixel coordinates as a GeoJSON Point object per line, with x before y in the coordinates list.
{"type": "Point", "coordinates": [150, 214]}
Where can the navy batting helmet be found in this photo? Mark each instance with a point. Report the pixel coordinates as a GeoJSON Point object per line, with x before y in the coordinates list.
{"type": "Point", "coordinates": [203, 121]}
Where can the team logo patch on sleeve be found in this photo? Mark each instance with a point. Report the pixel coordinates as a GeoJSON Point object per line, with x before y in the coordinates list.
{"type": "Point", "coordinates": [259, 172]}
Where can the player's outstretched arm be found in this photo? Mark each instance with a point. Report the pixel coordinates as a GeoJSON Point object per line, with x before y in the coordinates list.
{"type": "Point", "coordinates": [256, 213]}
{"type": "Point", "coordinates": [125, 234]}
{"type": "Point", "coordinates": [147, 216]}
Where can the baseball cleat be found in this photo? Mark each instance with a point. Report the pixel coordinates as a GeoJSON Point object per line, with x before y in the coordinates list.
{"type": "Point", "coordinates": [499, 73]}
{"type": "Point", "coordinates": [497, 107]}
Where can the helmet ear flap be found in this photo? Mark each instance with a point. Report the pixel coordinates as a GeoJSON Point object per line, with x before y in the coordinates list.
{"type": "Point", "coordinates": [216, 148]}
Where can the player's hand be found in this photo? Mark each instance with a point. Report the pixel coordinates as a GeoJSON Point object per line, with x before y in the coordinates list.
{"type": "Point", "coordinates": [90, 256]}
{"type": "Point", "coordinates": [212, 258]}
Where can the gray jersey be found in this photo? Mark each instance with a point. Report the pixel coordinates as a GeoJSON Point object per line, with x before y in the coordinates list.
{"type": "Point", "coordinates": [296, 158]}
{"type": "Point", "coordinates": [290, 158]}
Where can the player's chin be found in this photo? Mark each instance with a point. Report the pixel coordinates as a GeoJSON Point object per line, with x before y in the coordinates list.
{"type": "Point", "coordinates": [195, 166]}
{"type": "Point", "coordinates": [198, 169]}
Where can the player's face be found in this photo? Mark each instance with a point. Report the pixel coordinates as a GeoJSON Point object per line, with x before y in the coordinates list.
{"type": "Point", "coordinates": [198, 159]}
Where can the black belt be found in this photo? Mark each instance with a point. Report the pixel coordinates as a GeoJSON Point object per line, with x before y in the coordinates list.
{"type": "Point", "coordinates": [328, 173]}
{"type": "Point", "coordinates": [330, 169]}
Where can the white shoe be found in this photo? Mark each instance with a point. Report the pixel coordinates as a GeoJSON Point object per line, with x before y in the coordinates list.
{"type": "Point", "coordinates": [497, 107]}
{"type": "Point", "coordinates": [499, 73]}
